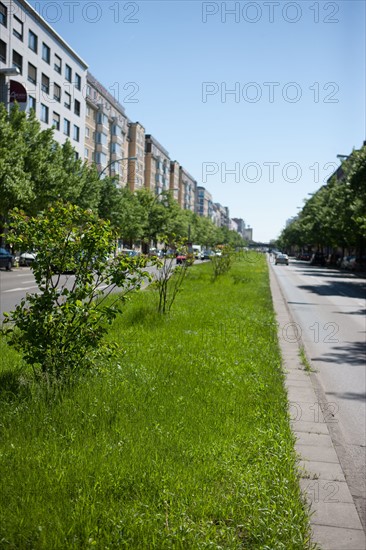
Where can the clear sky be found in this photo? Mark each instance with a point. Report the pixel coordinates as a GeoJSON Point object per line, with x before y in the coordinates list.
{"type": "Point", "coordinates": [296, 71]}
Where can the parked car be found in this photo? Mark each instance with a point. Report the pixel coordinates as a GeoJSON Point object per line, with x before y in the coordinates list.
{"type": "Point", "coordinates": [27, 258]}
{"type": "Point", "coordinates": [317, 258]}
{"type": "Point", "coordinates": [281, 259]}
{"type": "Point", "coordinates": [348, 262]}
{"type": "Point", "coordinates": [181, 258]}
{"type": "Point", "coordinates": [207, 254]}
{"type": "Point", "coordinates": [6, 259]}
{"type": "Point", "coordinates": [304, 256]}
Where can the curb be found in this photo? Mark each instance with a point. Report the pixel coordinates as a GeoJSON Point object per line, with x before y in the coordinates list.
{"type": "Point", "coordinates": [334, 521]}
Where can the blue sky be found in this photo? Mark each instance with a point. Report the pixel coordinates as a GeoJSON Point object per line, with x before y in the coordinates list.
{"type": "Point", "coordinates": [297, 69]}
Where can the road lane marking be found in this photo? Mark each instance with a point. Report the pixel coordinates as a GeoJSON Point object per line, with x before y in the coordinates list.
{"type": "Point", "coordinates": [19, 289]}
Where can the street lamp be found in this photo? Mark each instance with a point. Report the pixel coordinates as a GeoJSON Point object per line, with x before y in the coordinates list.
{"type": "Point", "coordinates": [113, 162]}
{"type": "Point", "coordinates": [4, 92]}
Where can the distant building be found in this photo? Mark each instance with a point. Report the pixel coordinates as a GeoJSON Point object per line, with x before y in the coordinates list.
{"type": "Point", "coordinates": [233, 226]}
{"type": "Point", "coordinates": [204, 202]}
{"type": "Point", "coordinates": [136, 148]}
{"type": "Point", "coordinates": [248, 234]}
{"type": "Point", "coordinates": [157, 166]}
{"type": "Point", "coordinates": [174, 186]}
{"type": "Point", "coordinates": [53, 75]}
{"type": "Point", "coordinates": [106, 129]}
{"type": "Point", "coordinates": [221, 215]}
{"type": "Point", "coordinates": [241, 225]}
{"type": "Point", "coordinates": [187, 190]}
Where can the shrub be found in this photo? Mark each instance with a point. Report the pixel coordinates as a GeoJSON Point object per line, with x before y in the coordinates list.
{"type": "Point", "coordinates": [59, 330]}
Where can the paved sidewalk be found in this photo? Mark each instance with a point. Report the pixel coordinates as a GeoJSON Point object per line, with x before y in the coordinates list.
{"type": "Point", "coordinates": [334, 521]}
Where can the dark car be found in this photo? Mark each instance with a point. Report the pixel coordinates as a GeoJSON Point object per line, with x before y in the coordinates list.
{"type": "Point", "coordinates": [6, 259]}
{"type": "Point", "coordinates": [317, 259]}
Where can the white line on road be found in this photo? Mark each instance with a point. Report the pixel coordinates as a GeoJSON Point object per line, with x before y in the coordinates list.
{"type": "Point", "coordinates": [19, 289]}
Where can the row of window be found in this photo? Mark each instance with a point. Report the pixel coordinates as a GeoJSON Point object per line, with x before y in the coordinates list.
{"type": "Point", "coordinates": [56, 121]}
{"type": "Point", "coordinates": [18, 31]}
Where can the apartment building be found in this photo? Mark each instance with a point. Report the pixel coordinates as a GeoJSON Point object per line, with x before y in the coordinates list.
{"type": "Point", "coordinates": [106, 128]}
{"type": "Point", "coordinates": [53, 75]}
{"type": "Point", "coordinates": [136, 149]}
{"type": "Point", "coordinates": [187, 190]}
{"type": "Point", "coordinates": [175, 179]}
{"type": "Point", "coordinates": [204, 202]}
{"type": "Point", "coordinates": [221, 216]}
{"type": "Point", "coordinates": [157, 166]}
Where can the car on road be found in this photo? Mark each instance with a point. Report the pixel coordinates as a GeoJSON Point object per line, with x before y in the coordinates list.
{"type": "Point", "coordinates": [181, 258]}
{"type": "Point", "coordinates": [318, 258]}
{"type": "Point", "coordinates": [6, 259]}
{"type": "Point", "coordinates": [281, 259]}
{"type": "Point", "coordinates": [27, 258]}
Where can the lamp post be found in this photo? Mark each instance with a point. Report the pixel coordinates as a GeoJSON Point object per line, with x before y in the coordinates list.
{"type": "Point", "coordinates": [113, 162]}
{"type": "Point", "coordinates": [4, 91]}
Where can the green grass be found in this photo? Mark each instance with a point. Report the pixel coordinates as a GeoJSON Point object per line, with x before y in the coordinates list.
{"type": "Point", "coordinates": [304, 360]}
{"type": "Point", "coordinates": [183, 442]}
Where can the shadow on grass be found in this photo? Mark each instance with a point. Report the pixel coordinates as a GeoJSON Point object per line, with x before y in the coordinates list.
{"type": "Point", "coordinates": [14, 385]}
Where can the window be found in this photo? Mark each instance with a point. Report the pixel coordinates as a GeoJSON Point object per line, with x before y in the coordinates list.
{"type": "Point", "coordinates": [2, 51]}
{"type": "Point", "coordinates": [45, 84]}
{"type": "Point", "coordinates": [33, 41]}
{"type": "Point", "coordinates": [87, 132]}
{"type": "Point", "coordinates": [66, 127]}
{"type": "Point", "coordinates": [31, 102]}
{"type": "Point", "coordinates": [116, 149]}
{"type": "Point", "coordinates": [86, 153]}
{"type": "Point", "coordinates": [102, 119]}
{"type": "Point", "coordinates": [56, 120]}
{"type": "Point", "coordinates": [77, 107]}
{"type": "Point", "coordinates": [67, 101]}
{"type": "Point", "coordinates": [101, 138]}
{"type": "Point", "coordinates": [3, 15]}
{"type": "Point", "coordinates": [76, 133]}
{"type": "Point", "coordinates": [32, 73]}
{"type": "Point", "coordinates": [18, 28]}
{"type": "Point", "coordinates": [116, 130]}
{"type": "Point", "coordinates": [77, 81]}
{"type": "Point", "coordinates": [101, 158]}
{"type": "Point", "coordinates": [46, 53]}
{"type": "Point", "coordinates": [88, 90]}
{"type": "Point", "coordinates": [56, 92]}
{"type": "Point", "coordinates": [18, 61]}
{"type": "Point", "coordinates": [58, 64]}
{"type": "Point", "coordinates": [44, 113]}
{"type": "Point", "coordinates": [68, 73]}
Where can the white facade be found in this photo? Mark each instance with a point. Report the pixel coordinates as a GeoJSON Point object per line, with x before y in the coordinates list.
{"type": "Point", "coordinates": [52, 73]}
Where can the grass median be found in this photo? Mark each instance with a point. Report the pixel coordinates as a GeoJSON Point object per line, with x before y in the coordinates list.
{"type": "Point", "coordinates": [181, 442]}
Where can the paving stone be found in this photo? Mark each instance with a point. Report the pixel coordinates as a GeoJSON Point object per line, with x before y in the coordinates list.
{"type": "Point", "coordinates": [335, 514]}
{"type": "Point", "coordinates": [321, 470]}
{"type": "Point", "coordinates": [318, 491]}
{"type": "Point", "coordinates": [309, 427]}
{"type": "Point", "coordinates": [333, 538]}
{"type": "Point", "coordinates": [319, 454]}
{"type": "Point", "coordinates": [317, 440]}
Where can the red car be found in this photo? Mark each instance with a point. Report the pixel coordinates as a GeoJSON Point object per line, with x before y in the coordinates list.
{"type": "Point", "coordinates": [181, 258]}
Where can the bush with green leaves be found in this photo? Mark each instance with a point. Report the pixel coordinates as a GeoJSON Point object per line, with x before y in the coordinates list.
{"type": "Point", "coordinates": [222, 262]}
{"type": "Point", "coordinates": [169, 276]}
{"type": "Point", "coordinates": [59, 330]}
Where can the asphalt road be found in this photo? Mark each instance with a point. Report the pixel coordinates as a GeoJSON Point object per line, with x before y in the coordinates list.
{"type": "Point", "coordinates": [329, 311]}
{"type": "Point", "coordinates": [16, 283]}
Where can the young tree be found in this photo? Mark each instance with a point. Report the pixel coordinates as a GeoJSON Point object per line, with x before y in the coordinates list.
{"type": "Point", "coordinates": [59, 329]}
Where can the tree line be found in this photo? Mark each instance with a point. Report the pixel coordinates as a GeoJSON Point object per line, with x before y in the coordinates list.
{"type": "Point", "coordinates": [334, 218]}
{"type": "Point", "coordinates": [36, 171]}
